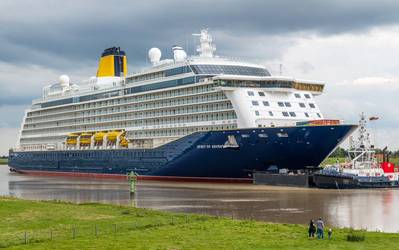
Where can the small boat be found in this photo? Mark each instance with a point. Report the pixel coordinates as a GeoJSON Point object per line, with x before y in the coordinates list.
{"type": "Point", "coordinates": [362, 169]}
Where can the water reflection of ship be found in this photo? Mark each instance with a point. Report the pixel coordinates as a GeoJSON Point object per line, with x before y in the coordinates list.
{"type": "Point", "coordinates": [75, 190]}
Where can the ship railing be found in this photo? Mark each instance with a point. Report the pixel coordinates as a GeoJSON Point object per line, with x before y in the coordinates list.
{"type": "Point", "coordinates": [221, 58]}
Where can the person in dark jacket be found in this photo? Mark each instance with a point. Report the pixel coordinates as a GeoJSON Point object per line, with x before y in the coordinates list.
{"type": "Point", "coordinates": [312, 229]}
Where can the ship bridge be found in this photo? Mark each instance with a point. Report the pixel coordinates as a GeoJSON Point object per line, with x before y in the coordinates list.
{"type": "Point", "coordinates": [252, 98]}
{"type": "Point", "coordinates": [272, 83]}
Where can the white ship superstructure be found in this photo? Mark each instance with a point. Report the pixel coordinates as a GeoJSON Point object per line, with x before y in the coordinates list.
{"type": "Point", "coordinates": [171, 99]}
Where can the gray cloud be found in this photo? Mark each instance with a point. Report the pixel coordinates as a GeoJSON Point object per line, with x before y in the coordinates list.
{"type": "Point", "coordinates": [70, 34]}
{"type": "Point", "coordinates": [16, 100]}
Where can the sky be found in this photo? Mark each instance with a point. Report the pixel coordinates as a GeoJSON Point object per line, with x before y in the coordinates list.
{"type": "Point", "coordinates": [352, 45]}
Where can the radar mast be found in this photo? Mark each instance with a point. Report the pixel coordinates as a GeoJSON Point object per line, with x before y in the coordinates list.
{"type": "Point", "coordinates": [206, 47]}
{"type": "Point", "coordinates": [362, 152]}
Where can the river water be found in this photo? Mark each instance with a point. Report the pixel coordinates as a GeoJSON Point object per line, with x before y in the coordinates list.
{"type": "Point", "coordinates": [360, 209]}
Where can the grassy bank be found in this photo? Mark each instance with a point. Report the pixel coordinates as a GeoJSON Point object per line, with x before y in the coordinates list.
{"type": "Point", "coordinates": [332, 160]}
{"type": "Point", "coordinates": [56, 225]}
{"type": "Point", "coordinates": [3, 161]}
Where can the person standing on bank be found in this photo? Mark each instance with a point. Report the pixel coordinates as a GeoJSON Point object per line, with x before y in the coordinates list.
{"type": "Point", "coordinates": [312, 229]}
{"type": "Point", "coordinates": [320, 228]}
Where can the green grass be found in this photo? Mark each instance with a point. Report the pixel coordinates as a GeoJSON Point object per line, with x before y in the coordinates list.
{"type": "Point", "coordinates": [332, 160]}
{"type": "Point", "coordinates": [120, 227]}
{"type": "Point", "coordinates": [3, 161]}
{"type": "Point", "coordinates": [394, 160]}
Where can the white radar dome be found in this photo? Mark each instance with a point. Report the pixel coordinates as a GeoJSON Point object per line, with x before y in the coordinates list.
{"type": "Point", "coordinates": [64, 80]}
{"type": "Point", "coordinates": [155, 55]}
{"type": "Point", "coordinates": [179, 54]}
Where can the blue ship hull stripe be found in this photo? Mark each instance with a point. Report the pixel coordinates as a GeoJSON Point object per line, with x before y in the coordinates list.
{"type": "Point", "coordinates": [201, 154]}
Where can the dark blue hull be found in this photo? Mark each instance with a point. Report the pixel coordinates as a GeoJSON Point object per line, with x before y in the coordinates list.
{"type": "Point", "coordinates": [201, 154]}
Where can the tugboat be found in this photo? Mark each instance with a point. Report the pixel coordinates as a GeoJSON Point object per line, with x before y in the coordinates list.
{"type": "Point", "coordinates": [361, 169]}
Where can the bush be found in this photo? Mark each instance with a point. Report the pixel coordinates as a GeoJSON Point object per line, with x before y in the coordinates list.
{"type": "Point", "coordinates": [125, 212]}
{"type": "Point", "coordinates": [355, 236]}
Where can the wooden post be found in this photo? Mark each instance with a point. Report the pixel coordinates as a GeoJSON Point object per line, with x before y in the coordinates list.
{"type": "Point", "coordinates": [26, 238]}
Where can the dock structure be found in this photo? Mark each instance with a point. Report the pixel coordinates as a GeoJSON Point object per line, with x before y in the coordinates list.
{"type": "Point", "coordinates": [276, 179]}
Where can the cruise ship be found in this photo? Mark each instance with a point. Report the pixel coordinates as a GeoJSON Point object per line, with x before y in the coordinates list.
{"type": "Point", "coordinates": [200, 117]}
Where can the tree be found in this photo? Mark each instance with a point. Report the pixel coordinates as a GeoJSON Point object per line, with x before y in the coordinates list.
{"type": "Point", "coordinates": [339, 152]}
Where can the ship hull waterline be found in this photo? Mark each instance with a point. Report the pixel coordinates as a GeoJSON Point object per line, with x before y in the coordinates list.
{"type": "Point", "coordinates": [201, 156]}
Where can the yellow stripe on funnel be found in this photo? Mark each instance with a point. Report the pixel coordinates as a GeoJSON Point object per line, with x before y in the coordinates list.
{"type": "Point", "coordinates": [106, 66]}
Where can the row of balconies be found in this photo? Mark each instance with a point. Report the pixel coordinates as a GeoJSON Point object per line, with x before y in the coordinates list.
{"type": "Point", "coordinates": [231, 123]}
{"type": "Point", "coordinates": [122, 100]}
{"type": "Point", "coordinates": [182, 110]}
{"type": "Point", "coordinates": [189, 117]}
{"type": "Point", "coordinates": [116, 110]}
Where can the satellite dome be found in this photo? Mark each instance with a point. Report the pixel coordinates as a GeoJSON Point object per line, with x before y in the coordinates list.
{"type": "Point", "coordinates": [179, 54]}
{"type": "Point", "coordinates": [64, 80]}
{"type": "Point", "coordinates": [155, 55]}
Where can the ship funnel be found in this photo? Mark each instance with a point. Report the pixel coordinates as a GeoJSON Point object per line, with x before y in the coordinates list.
{"type": "Point", "coordinates": [179, 54]}
{"type": "Point", "coordinates": [113, 63]}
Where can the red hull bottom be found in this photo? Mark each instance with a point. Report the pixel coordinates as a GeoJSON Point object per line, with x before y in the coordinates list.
{"type": "Point", "coordinates": [141, 177]}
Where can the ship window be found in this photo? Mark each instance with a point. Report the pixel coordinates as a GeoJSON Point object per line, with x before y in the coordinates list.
{"type": "Point", "coordinates": [306, 114]}
{"type": "Point", "coordinates": [262, 135]}
{"type": "Point", "coordinates": [271, 113]}
{"type": "Point", "coordinates": [176, 71]}
{"type": "Point", "coordinates": [297, 95]}
{"type": "Point", "coordinates": [280, 104]}
{"type": "Point", "coordinates": [265, 103]}
{"type": "Point", "coordinates": [285, 114]}
{"type": "Point", "coordinates": [302, 105]}
{"type": "Point", "coordinates": [292, 114]}
{"type": "Point", "coordinates": [307, 96]}
{"type": "Point", "coordinates": [229, 70]}
{"type": "Point", "coordinates": [250, 93]}
{"type": "Point", "coordinates": [287, 104]}
{"type": "Point", "coordinates": [255, 103]}
{"type": "Point", "coordinates": [312, 105]}
{"type": "Point", "coordinates": [245, 136]}
{"type": "Point", "coordinates": [261, 93]}
{"type": "Point", "coordinates": [257, 112]}
{"type": "Point", "coordinates": [318, 115]}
